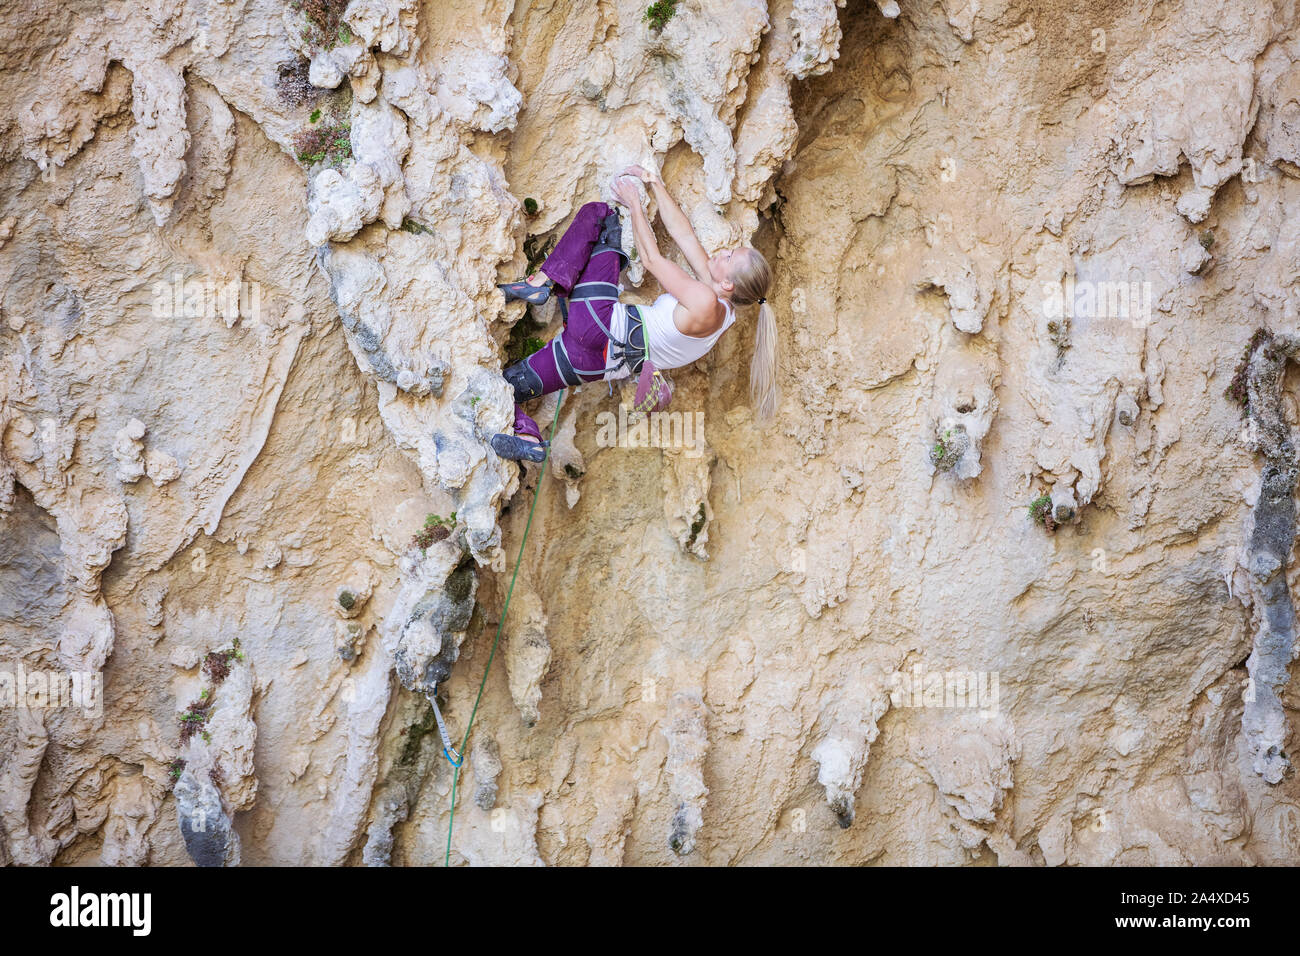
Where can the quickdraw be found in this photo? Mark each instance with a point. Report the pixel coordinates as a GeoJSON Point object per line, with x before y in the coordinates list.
{"type": "Point", "coordinates": [447, 748]}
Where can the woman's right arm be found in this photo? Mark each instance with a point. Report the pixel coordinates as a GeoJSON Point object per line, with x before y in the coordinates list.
{"type": "Point", "coordinates": [675, 221]}
{"type": "Point", "coordinates": [697, 297]}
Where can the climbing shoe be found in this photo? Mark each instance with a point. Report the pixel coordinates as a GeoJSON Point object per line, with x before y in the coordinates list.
{"type": "Point", "coordinates": [526, 382]}
{"type": "Point", "coordinates": [518, 449]}
{"type": "Point", "coordinates": [611, 237]}
{"type": "Point", "coordinates": [532, 294]}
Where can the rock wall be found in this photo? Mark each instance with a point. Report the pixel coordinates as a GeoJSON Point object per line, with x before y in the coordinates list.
{"type": "Point", "coordinates": [1008, 580]}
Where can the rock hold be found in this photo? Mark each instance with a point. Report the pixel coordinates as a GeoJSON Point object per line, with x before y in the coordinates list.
{"type": "Point", "coordinates": [688, 742]}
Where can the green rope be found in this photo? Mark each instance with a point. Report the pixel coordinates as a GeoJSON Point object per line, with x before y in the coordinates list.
{"type": "Point", "coordinates": [455, 780]}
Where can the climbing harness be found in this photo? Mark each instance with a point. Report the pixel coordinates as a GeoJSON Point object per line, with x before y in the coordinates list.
{"type": "Point", "coordinates": [629, 353]}
{"type": "Point", "coordinates": [654, 390]}
{"type": "Point", "coordinates": [505, 609]}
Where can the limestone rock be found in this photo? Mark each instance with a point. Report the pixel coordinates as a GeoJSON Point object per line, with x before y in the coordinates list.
{"type": "Point", "coordinates": [161, 467]}
{"type": "Point", "coordinates": [128, 449]}
{"type": "Point", "coordinates": [965, 322]}
{"type": "Point", "coordinates": [528, 653]}
{"type": "Point", "coordinates": [486, 763]}
{"type": "Point", "coordinates": [841, 755]}
{"type": "Point", "coordinates": [688, 743]}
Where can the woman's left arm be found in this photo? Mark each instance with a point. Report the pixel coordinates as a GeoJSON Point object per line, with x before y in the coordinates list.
{"type": "Point", "coordinates": [698, 299]}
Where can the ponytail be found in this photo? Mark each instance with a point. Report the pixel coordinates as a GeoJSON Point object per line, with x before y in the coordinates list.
{"type": "Point", "coordinates": [750, 280]}
{"type": "Point", "coordinates": [764, 393]}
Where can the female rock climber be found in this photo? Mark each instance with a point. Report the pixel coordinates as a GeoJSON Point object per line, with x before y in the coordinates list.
{"type": "Point", "coordinates": [603, 338]}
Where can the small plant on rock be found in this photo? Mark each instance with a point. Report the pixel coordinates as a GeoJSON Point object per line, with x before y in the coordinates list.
{"type": "Point", "coordinates": [523, 340]}
{"type": "Point", "coordinates": [659, 13]}
{"type": "Point", "coordinates": [329, 143]}
{"type": "Point", "coordinates": [697, 525]}
{"type": "Point", "coordinates": [1040, 512]}
{"type": "Point", "coordinates": [324, 28]}
{"type": "Point", "coordinates": [217, 666]}
{"type": "Point", "coordinates": [947, 450]}
{"type": "Point", "coordinates": [536, 256]}
{"type": "Point", "coordinates": [1238, 389]}
{"type": "Point", "coordinates": [293, 85]}
{"type": "Point", "coordinates": [436, 528]}
{"type": "Point", "coordinates": [1058, 330]}
{"type": "Point", "coordinates": [194, 718]}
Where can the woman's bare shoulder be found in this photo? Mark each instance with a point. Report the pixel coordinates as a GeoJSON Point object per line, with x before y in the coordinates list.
{"type": "Point", "coordinates": [703, 320]}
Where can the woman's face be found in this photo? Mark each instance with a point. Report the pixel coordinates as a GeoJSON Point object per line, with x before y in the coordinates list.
{"type": "Point", "coordinates": [722, 265]}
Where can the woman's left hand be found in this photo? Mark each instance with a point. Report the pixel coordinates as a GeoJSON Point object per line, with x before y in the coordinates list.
{"type": "Point", "coordinates": [643, 174]}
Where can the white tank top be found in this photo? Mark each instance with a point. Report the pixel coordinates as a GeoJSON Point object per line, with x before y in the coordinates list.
{"type": "Point", "coordinates": [669, 347]}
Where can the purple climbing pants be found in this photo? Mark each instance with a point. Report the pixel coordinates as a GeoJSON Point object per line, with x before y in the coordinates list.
{"type": "Point", "coordinates": [571, 263]}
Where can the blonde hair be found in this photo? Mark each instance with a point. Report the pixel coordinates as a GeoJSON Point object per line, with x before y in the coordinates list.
{"type": "Point", "coordinates": [750, 280]}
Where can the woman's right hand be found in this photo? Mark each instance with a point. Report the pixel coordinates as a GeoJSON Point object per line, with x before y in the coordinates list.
{"type": "Point", "coordinates": [642, 174]}
{"type": "Point", "coordinates": [625, 192]}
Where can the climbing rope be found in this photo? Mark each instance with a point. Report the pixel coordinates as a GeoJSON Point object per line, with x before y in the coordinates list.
{"type": "Point", "coordinates": [455, 780]}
